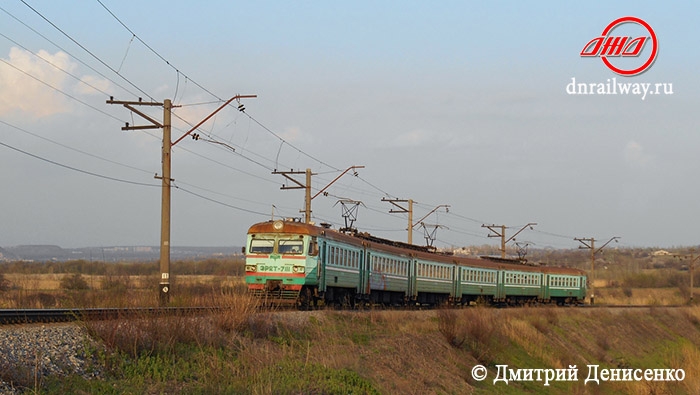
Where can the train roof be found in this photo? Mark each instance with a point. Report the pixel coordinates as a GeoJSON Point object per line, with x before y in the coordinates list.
{"type": "Point", "coordinates": [399, 248]}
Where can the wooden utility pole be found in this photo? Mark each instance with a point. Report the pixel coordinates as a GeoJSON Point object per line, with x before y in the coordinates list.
{"type": "Point", "coordinates": [164, 293]}
{"type": "Point", "coordinates": [307, 186]}
{"type": "Point", "coordinates": [590, 244]}
{"type": "Point", "coordinates": [164, 284]}
{"type": "Point", "coordinates": [299, 185]}
{"type": "Point", "coordinates": [502, 235]}
{"type": "Point", "coordinates": [691, 266]}
{"type": "Point", "coordinates": [409, 210]}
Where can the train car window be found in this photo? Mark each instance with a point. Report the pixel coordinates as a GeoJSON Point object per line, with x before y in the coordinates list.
{"type": "Point", "coordinates": [313, 247]}
{"type": "Point", "coordinates": [262, 246]}
{"type": "Point", "coordinates": [292, 247]}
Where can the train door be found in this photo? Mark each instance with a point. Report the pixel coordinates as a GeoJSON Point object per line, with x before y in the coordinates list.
{"type": "Point", "coordinates": [543, 294]}
{"type": "Point", "coordinates": [456, 294]}
{"type": "Point", "coordinates": [548, 286]}
{"type": "Point", "coordinates": [500, 288]}
{"type": "Point", "coordinates": [323, 253]}
{"type": "Point", "coordinates": [412, 294]}
{"type": "Point", "coordinates": [365, 272]}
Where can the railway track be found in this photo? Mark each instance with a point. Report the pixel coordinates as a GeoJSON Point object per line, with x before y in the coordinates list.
{"type": "Point", "coordinates": [28, 316]}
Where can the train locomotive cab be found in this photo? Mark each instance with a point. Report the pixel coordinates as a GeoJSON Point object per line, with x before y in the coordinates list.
{"type": "Point", "coordinates": [281, 258]}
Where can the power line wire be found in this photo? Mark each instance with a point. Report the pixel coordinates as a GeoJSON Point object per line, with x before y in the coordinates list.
{"type": "Point", "coordinates": [77, 169]}
{"type": "Point", "coordinates": [68, 53]}
{"type": "Point", "coordinates": [220, 202]}
{"type": "Point", "coordinates": [54, 65]}
{"type": "Point", "coordinates": [59, 90]}
{"type": "Point", "coordinates": [87, 50]}
{"type": "Point", "coordinates": [281, 139]}
{"type": "Point", "coordinates": [73, 148]}
{"type": "Point", "coordinates": [155, 52]}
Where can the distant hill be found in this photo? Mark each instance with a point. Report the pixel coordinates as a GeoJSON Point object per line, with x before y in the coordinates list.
{"type": "Point", "coordinates": [109, 254]}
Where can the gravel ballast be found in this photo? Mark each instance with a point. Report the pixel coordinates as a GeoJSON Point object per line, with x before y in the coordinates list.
{"type": "Point", "coordinates": [29, 354]}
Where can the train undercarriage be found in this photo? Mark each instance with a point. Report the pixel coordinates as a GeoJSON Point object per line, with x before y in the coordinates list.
{"type": "Point", "coordinates": [309, 297]}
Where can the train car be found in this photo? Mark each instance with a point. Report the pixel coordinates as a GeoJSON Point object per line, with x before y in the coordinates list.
{"type": "Point", "coordinates": [281, 259]}
{"type": "Point", "coordinates": [564, 287]}
{"type": "Point", "coordinates": [296, 263]}
{"type": "Point", "coordinates": [477, 284]}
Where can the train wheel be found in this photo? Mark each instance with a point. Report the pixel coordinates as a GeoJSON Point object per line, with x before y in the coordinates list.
{"type": "Point", "coordinates": [305, 299]}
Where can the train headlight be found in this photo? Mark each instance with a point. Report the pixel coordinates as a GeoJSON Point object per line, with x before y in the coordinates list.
{"type": "Point", "coordinates": [298, 269]}
{"type": "Point", "coordinates": [251, 268]}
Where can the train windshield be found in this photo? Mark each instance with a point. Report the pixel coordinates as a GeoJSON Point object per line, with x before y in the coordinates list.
{"type": "Point", "coordinates": [291, 246]}
{"type": "Point", "coordinates": [262, 246]}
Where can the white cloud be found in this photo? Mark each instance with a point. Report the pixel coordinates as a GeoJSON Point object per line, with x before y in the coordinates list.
{"type": "Point", "coordinates": [292, 134]}
{"type": "Point", "coordinates": [92, 85]}
{"type": "Point", "coordinates": [421, 138]}
{"type": "Point", "coordinates": [635, 156]}
{"type": "Point", "coordinates": [26, 83]}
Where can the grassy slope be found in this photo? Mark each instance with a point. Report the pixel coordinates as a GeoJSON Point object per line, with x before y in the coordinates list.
{"type": "Point", "coordinates": [407, 352]}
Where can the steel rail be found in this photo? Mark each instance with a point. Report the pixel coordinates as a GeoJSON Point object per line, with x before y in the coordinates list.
{"type": "Point", "coordinates": [28, 316]}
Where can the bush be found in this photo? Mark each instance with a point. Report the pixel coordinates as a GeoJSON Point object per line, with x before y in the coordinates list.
{"type": "Point", "coordinates": [450, 329]}
{"type": "Point", "coordinates": [4, 283]}
{"type": "Point", "coordinates": [74, 282]}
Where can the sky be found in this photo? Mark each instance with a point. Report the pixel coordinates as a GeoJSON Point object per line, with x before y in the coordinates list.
{"type": "Point", "coordinates": [458, 103]}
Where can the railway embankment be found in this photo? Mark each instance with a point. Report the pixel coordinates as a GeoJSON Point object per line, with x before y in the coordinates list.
{"type": "Point", "coordinates": [472, 350]}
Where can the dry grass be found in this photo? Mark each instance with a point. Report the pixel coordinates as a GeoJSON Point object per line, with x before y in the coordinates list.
{"type": "Point", "coordinates": [242, 350]}
{"type": "Point", "coordinates": [230, 314]}
{"type": "Point", "coordinates": [46, 291]}
{"type": "Point", "coordinates": [640, 296]}
{"type": "Point", "coordinates": [239, 350]}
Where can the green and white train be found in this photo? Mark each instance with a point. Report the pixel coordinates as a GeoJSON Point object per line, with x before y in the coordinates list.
{"type": "Point", "coordinates": [297, 263]}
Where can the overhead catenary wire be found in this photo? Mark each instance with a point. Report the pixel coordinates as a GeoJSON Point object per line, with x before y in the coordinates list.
{"type": "Point", "coordinates": [253, 119]}
{"type": "Point", "coordinates": [88, 51]}
{"type": "Point", "coordinates": [282, 140]}
{"type": "Point", "coordinates": [68, 53]}
{"type": "Point", "coordinates": [178, 71]}
{"type": "Point", "coordinates": [219, 202]}
{"type": "Point", "coordinates": [156, 52]}
{"type": "Point", "coordinates": [77, 169]}
{"type": "Point", "coordinates": [80, 80]}
{"type": "Point", "coordinates": [73, 148]}
{"type": "Point", "coordinates": [59, 90]}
